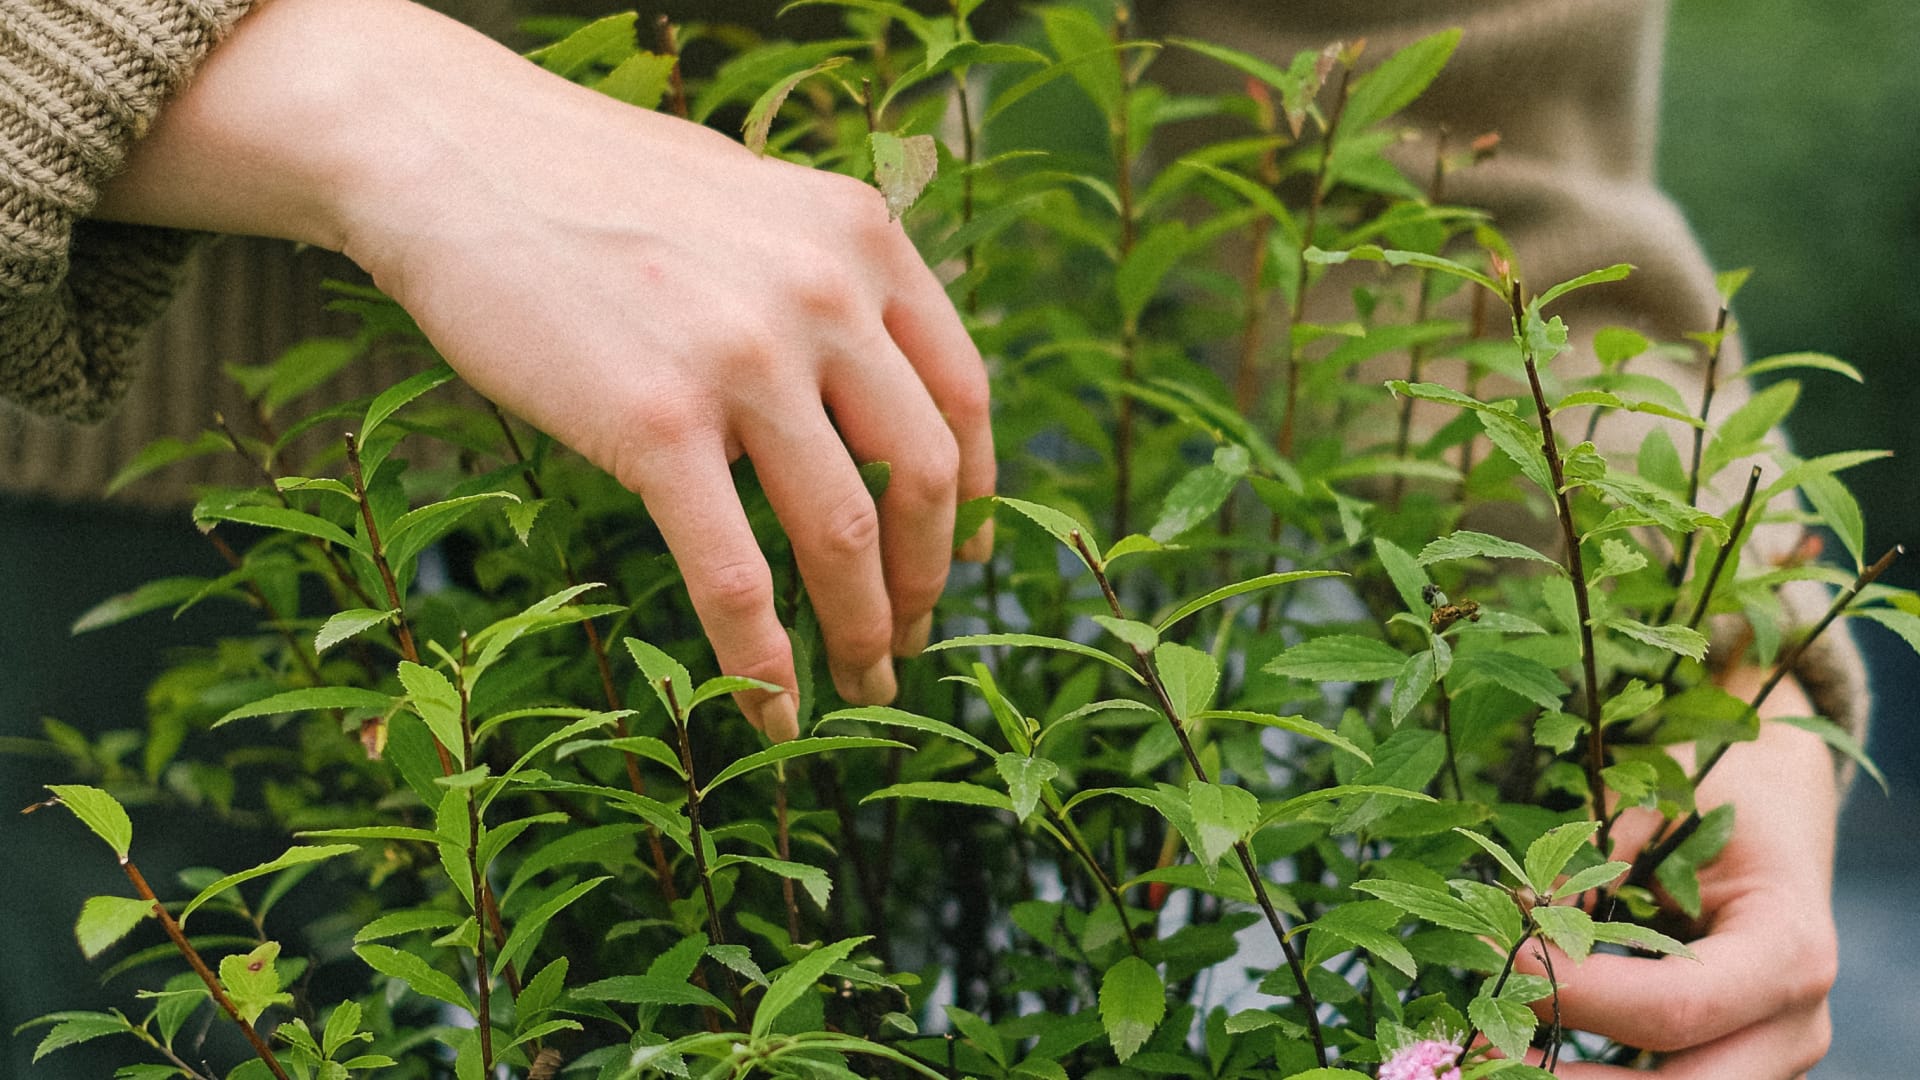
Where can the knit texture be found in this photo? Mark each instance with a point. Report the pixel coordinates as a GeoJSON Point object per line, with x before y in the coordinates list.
{"type": "Point", "coordinates": [80, 80]}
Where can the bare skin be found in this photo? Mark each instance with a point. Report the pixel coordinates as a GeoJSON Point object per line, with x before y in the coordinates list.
{"type": "Point", "coordinates": [645, 290]}
{"type": "Point", "coordinates": [1754, 1003]}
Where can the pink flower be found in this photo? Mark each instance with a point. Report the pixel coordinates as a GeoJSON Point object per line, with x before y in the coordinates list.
{"type": "Point", "coordinates": [1423, 1060]}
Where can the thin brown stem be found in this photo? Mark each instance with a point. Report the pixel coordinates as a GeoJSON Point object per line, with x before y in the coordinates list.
{"type": "Point", "coordinates": [694, 835]}
{"type": "Point", "coordinates": [1596, 759]}
{"type": "Point", "coordinates": [265, 469]}
{"type": "Point", "coordinates": [1499, 984]}
{"type": "Point", "coordinates": [783, 845]}
{"type": "Point", "coordinates": [1678, 570]}
{"type": "Point", "coordinates": [1077, 844]}
{"type": "Point", "coordinates": [666, 43]}
{"type": "Point", "coordinates": [200, 968]}
{"type": "Point", "coordinates": [482, 976]}
{"type": "Point", "coordinates": [1719, 564]}
{"type": "Point", "coordinates": [1655, 854]}
{"type": "Point", "coordinates": [1151, 675]}
{"type": "Point", "coordinates": [1446, 732]}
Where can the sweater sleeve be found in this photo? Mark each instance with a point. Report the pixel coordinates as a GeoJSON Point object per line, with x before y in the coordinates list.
{"type": "Point", "coordinates": [80, 80]}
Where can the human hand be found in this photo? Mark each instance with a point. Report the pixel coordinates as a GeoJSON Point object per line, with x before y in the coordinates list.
{"type": "Point", "coordinates": [1754, 1002]}
{"type": "Point", "coordinates": [650, 293]}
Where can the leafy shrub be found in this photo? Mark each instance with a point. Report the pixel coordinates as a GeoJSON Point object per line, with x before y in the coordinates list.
{"type": "Point", "coordinates": [1239, 713]}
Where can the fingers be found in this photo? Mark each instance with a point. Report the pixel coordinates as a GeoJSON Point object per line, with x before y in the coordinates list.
{"type": "Point", "coordinates": [923, 323]}
{"type": "Point", "coordinates": [835, 530]}
{"type": "Point", "coordinates": [1751, 969]}
{"type": "Point", "coordinates": [689, 492]}
{"type": "Point", "coordinates": [884, 414]}
{"type": "Point", "coordinates": [1781, 1049]}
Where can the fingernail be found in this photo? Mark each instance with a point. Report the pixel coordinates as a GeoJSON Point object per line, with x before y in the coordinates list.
{"type": "Point", "coordinates": [778, 716]}
{"type": "Point", "coordinates": [909, 640]}
{"type": "Point", "coordinates": [979, 546]}
{"type": "Point", "coordinates": [875, 685]}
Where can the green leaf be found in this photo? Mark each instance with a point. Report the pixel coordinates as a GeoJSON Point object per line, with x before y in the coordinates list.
{"type": "Point", "coordinates": [416, 973]}
{"type": "Point", "coordinates": [1839, 511]}
{"type": "Point", "coordinates": [660, 668]}
{"type": "Point", "coordinates": [641, 80]}
{"type": "Point", "coordinates": [881, 714]}
{"type": "Point", "coordinates": [1222, 817]}
{"type": "Point", "coordinates": [1568, 927]}
{"type": "Point", "coordinates": [316, 697]}
{"type": "Point", "coordinates": [1339, 658]}
{"type": "Point", "coordinates": [760, 117]}
{"type": "Point", "coordinates": [1686, 641]}
{"type": "Point", "coordinates": [601, 41]}
{"type": "Point", "coordinates": [740, 958]}
{"type": "Point", "coordinates": [1499, 854]}
{"type": "Point", "coordinates": [1133, 1001]}
{"type": "Point", "coordinates": [252, 981]}
{"type": "Point", "coordinates": [1086, 49]}
{"type": "Point", "coordinates": [1058, 525]}
{"type": "Point", "coordinates": [811, 878]}
{"type": "Point", "coordinates": [1523, 675]}
{"type": "Point", "coordinates": [77, 1028]}
{"type": "Point", "coordinates": [902, 168]}
{"type": "Point", "coordinates": [1440, 908]}
{"type": "Point", "coordinates": [1397, 81]}
{"type": "Point", "coordinates": [1374, 253]}
{"type": "Point", "coordinates": [1521, 444]}
{"type": "Point", "coordinates": [294, 856]}
{"type": "Point", "coordinates": [818, 744]}
{"type": "Point", "coordinates": [1789, 361]}
{"type": "Point", "coordinates": [1299, 725]}
{"type": "Point", "coordinates": [1639, 937]}
{"type": "Point", "coordinates": [283, 519]}
{"type": "Point", "coordinates": [348, 624]}
{"type": "Point", "coordinates": [1614, 345]}
{"type": "Point", "coordinates": [1139, 278]}
{"type": "Point", "coordinates": [433, 698]}
{"type": "Point", "coordinates": [1679, 871]}
{"type": "Point", "coordinates": [529, 927]}
{"type": "Point", "coordinates": [944, 791]}
{"type": "Point", "coordinates": [1135, 634]}
{"type": "Point", "coordinates": [1411, 684]}
{"type": "Point", "coordinates": [1241, 588]}
{"type": "Point", "coordinates": [418, 529]}
{"type": "Point", "coordinates": [1547, 857]}
{"type": "Point", "coordinates": [152, 596]}
{"type": "Point", "coordinates": [799, 978]}
{"type": "Point", "coordinates": [1506, 1023]}
{"type": "Point", "coordinates": [98, 811]}
{"type": "Point", "coordinates": [1468, 545]}
{"type": "Point", "coordinates": [1593, 877]}
{"type": "Point", "coordinates": [162, 452]}
{"type": "Point", "coordinates": [396, 923]}
{"type": "Point", "coordinates": [648, 990]}
{"type": "Point", "coordinates": [1409, 580]}
{"type": "Point", "coordinates": [1592, 277]}
{"type": "Point", "coordinates": [1026, 778]}
{"type": "Point", "coordinates": [106, 919]}
{"type": "Point", "coordinates": [1036, 641]}
{"type": "Point", "coordinates": [1195, 498]}
{"type": "Point", "coordinates": [1190, 676]}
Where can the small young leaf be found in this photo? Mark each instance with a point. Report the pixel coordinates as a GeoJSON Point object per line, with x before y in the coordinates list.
{"type": "Point", "coordinates": [1133, 1001]}
{"type": "Point", "coordinates": [348, 624]}
{"type": "Point", "coordinates": [798, 978]}
{"type": "Point", "coordinates": [432, 697]}
{"type": "Point", "coordinates": [760, 117]}
{"type": "Point", "coordinates": [1467, 545]}
{"type": "Point", "coordinates": [1547, 857]}
{"type": "Point", "coordinates": [1026, 778]}
{"type": "Point", "coordinates": [1222, 817]}
{"type": "Point", "coordinates": [902, 168]}
{"type": "Point", "coordinates": [294, 856]}
{"type": "Point", "coordinates": [1499, 854]}
{"type": "Point", "coordinates": [252, 981]}
{"type": "Point", "coordinates": [1340, 658]}
{"type": "Point", "coordinates": [106, 919]}
{"type": "Point", "coordinates": [1506, 1023]}
{"type": "Point", "coordinates": [98, 811]}
{"type": "Point", "coordinates": [1190, 676]}
{"type": "Point", "coordinates": [1059, 525]}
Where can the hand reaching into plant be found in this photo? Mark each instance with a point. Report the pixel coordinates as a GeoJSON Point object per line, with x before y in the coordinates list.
{"type": "Point", "coordinates": [650, 293]}
{"type": "Point", "coordinates": [1754, 1004]}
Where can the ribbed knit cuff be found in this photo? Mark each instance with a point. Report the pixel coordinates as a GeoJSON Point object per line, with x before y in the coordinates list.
{"type": "Point", "coordinates": [80, 80]}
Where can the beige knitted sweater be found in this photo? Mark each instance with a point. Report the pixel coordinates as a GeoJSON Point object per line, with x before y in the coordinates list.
{"type": "Point", "coordinates": [1570, 85]}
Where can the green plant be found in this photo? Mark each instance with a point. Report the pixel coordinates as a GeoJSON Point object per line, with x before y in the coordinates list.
{"type": "Point", "coordinates": [1297, 706]}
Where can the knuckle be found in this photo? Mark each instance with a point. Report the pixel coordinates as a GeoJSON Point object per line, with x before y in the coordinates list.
{"type": "Point", "coordinates": [1815, 967]}
{"type": "Point", "coordinates": [930, 477]}
{"type": "Point", "coordinates": [738, 589]}
{"type": "Point", "coordinates": [849, 529]}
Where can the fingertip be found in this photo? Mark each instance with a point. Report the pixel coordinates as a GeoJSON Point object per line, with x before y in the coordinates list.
{"type": "Point", "coordinates": [780, 718]}
{"type": "Point", "coordinates": [873, 686]}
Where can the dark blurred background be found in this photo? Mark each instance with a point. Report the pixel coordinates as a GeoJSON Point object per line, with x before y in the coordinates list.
{"type": "Point", "coordinates": [1792, 138]}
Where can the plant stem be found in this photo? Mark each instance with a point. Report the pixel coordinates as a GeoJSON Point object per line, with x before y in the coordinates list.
{"type": "Point", "coordinates": [1499, 984]}
{"type": "Point", "coordinates": [200, 968]}
{"type": "Point", "coordinates": [1576, 572]}
{"type": "Point", "coordinates": [1678, 570]}
{"type": "Point", "coordinates": [694, 835]}
{"type": "Point", "coordinates": [1719, 564]}
{"type": "Point", "coordinates": [483, 977]}
{"type": "Point", "coordinates": [1129, 331]}
{"type": "Point", "coordinates": [1077, 844]}
{"type": "Point", "coordinates": [1144, 664]}
{"type": "Point", "coordinates": [666, 44]}
{"type": "Point", "coordinates": [1446, 732]}
{"type": "Point", "coordinates": [265, 469]}
{"type": "Point", "coordinates": [1655, 854]}
{"type": "Point", "coordinates": [782, 842]}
